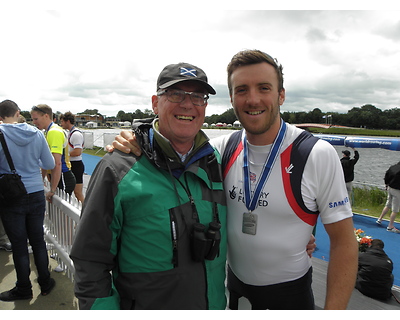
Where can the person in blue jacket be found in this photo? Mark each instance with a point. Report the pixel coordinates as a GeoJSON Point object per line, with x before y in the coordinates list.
{"type": "Point", "coordinates": [23, 217]}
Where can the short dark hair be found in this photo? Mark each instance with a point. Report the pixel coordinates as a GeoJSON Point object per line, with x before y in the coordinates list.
{"type": "Point", "coordinates": [377, 243]}
{"type": "Point", "coordinates": [68, 116]}
{"type": "Point", "coordinates": [248, 57]}
{"type": "Point", "coordinates": [8, 108]}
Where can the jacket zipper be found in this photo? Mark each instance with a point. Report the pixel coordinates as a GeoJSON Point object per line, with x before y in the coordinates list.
{"type": "Point", "coordinates": [174, 234]}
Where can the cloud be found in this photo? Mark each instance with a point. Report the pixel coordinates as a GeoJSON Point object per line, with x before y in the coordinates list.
{"type": "Point", "coordinates": [315, 35]}
{"type": "Point", "coordinates": [389, 30]}
{"type": "Point", "coordinates": [109, 58]}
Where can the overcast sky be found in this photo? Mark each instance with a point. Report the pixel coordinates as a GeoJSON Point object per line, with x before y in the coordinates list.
{"type": "Point", "coordinates": [109, 58]}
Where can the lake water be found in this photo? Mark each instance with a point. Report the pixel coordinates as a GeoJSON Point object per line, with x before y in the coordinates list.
{"type": "Point", "coordinates": [369, 170]}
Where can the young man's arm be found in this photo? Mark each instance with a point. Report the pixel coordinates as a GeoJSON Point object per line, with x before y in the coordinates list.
{"type": "Point", "coordinates": [76, 152]}
{"type": "Point", "coordinates": [343, 264]}
{"type": "Point", "coordinates": [55, 176]}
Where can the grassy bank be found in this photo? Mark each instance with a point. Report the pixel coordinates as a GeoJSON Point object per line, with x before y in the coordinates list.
{"type": "Point", "coordinates": [340, 131]}
{"type": "Point", "coordinates": [96, 151]}
{"type": "Point", "coordinates": [370, 201]}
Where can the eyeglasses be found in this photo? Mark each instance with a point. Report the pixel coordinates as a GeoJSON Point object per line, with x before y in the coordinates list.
{"type": "Point", "coordinates": [35, 108]}
{"type": "Point", "coordinates": [177, 96]}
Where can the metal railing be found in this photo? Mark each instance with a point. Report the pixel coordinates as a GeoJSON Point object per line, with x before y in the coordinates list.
{"type": "Point", "coordinates": [60, 222]}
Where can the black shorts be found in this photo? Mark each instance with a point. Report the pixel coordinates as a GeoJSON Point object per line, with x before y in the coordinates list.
{"type": "Point", "coordinates": [67, 182]}
{"type": "Point", "coordinates": [291, 295]}
{"type": "Point", "coordinates": [78, 168]}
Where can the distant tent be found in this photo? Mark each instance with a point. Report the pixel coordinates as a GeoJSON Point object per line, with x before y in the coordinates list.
{"type": "Point", "coordinates": [91, 124]}
{"type": "Point", "coordinates": [237, 124]}
{"type": "Point", "coordinates": [124, 124]}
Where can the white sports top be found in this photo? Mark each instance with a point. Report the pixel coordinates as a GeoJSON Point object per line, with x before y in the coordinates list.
{"type": "Point", "coordinates": [277, 252]}
{"type": "Point", "coordinates": [76, 139]}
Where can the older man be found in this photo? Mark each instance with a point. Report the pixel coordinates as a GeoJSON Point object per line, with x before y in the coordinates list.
{"type": "Point", "coordinates": [157, 222]}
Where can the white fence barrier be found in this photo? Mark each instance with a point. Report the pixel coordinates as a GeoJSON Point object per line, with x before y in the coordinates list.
{"type": "Point", "coordinates": [108, 138]}
{"type": "Point", "coordinates": [89, 139]}
{"type": "Point", "coordinates": [61, 219]}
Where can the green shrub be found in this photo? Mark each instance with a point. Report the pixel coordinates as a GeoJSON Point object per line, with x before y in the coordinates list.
{"type": "Point", "coordinates": [369, 200]}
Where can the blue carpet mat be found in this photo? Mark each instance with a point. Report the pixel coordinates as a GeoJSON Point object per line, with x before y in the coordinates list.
{"type": "Point", "coordinates": [90, 162]}
{"type": "Point", "coordinates": [371, 228]}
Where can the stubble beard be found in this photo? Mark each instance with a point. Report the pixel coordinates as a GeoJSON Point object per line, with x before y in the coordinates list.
{"type": "Point", "coordinates": [263, 128]}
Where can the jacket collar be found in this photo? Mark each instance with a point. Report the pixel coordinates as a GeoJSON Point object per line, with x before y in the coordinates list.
{"type": "Point", "coordinates": [159, 150]}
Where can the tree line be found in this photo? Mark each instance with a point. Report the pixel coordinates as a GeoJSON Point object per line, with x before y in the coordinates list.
{"type": "Point", "coordinates": [367, 116]}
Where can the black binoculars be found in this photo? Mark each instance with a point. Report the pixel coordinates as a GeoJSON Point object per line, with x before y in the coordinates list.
{"type": "Point", "coordinates": [205, 244]}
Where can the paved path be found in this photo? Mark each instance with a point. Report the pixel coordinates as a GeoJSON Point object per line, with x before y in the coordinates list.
{"type": "Point", "coordinates": [61, 297]}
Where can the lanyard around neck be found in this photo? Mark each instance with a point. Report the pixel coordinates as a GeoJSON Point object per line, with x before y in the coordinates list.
{"type": "Point", "coordinates": [252, 200]}
{"type": "Point", "coordinates": [48, 128]}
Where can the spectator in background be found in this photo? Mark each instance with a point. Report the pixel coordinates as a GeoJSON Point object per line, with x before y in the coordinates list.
{"type": "Point", "coordinates": [75, 147]}
{"type": "Point", "coordinates": [21, 119]}
{"type": "Point", "coordinates": [392, 182]}
{"type": "Point", "coordinates": [348, 170]}
{"type": "Point", "coordinates": [375, 278]}
{"type": "Point", "coordinates": [23, 217]}
{"type": "Point", "coordinates": [61, 176]}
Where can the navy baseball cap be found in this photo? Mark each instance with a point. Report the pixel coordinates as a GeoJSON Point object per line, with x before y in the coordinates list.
{"type": "Point", "coordinates": [175, 73]}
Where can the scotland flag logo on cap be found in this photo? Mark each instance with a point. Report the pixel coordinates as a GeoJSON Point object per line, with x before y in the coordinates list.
{"type": "Point", "coordinates": [188, 72]}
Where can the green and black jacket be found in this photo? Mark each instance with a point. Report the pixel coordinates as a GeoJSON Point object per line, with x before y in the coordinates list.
{"type": "Point", "coordinates": [132, 247]}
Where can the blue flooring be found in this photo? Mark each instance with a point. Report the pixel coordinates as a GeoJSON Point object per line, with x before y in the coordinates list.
{"type": "Point", "coordinates": [90, 162]}
{"type": "Point", "coordinates": [371, 228]}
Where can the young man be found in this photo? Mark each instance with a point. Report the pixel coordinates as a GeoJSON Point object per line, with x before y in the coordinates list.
{"type": "Point", "coordinates": [153, 228]}
{"type": "Point", "coordinates": [61, 176]}
{"type": "Point", "coordinates": [277, 180]}
{"type": "Point", "coordinates": [287, 178]}
{"type": "Point", "coordinates": [75, 147]}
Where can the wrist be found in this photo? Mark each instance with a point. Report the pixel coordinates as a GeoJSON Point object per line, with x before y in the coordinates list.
{"type": "Point", "coordinates": [53, 191]}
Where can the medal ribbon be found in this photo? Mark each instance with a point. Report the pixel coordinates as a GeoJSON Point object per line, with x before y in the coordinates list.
{"type": "Point", "coordinates": [251, 201]}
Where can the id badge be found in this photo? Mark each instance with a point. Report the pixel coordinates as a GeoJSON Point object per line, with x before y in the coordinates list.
{"type": "Point", "coordinates": [249, 224]}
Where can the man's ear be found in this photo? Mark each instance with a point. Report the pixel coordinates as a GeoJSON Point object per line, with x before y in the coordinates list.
{"type": "Point", "coordinates": [282, 95]}
{"type": "Point", "coordinates": [154, 103]}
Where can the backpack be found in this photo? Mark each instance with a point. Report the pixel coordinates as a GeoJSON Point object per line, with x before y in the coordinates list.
{"type": "Point", "coordinates": [296, 154]}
